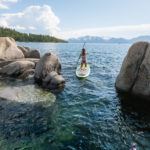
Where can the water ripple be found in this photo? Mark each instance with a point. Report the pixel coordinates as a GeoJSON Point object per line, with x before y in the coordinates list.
{"type": "Point", "coordinates": [88, 114]}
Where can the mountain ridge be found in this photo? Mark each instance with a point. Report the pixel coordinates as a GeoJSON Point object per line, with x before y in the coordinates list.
{"type": "Point", "coordinates": [98, 39]}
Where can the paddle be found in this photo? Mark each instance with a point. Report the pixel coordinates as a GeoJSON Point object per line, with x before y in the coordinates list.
{"type": "Point", "coordinates": [80, 55]}
{"type": "Point", "coordinates": [78, 61]}
{"type": "Point", "coordinates": [84, 44]}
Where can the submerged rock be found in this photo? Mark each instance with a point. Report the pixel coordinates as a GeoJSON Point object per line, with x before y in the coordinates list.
{"type": "Point", "coordinates": [25, 109]}
{"type": "Point", "coordinates": [27, 94]}
{"type": "Point", "coordinates": [134, 76]}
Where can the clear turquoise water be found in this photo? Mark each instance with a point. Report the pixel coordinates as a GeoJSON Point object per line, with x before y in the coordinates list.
{"type": "Point", "coordinates": [87, 115]}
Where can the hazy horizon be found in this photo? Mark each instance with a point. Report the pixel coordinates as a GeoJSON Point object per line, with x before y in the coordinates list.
{"type": "Point", "coordinates": [72, 19]}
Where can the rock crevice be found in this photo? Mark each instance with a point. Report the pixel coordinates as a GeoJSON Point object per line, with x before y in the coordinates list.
{"type": "Point", "coordinates": [139, 66]}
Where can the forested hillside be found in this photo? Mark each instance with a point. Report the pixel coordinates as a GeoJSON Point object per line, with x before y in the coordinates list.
{"type": "Point", "coordinates": [24, 37]}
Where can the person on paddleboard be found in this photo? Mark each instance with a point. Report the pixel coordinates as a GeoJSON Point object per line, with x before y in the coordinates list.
{"type": "Point", "coordinates": [83, 57]}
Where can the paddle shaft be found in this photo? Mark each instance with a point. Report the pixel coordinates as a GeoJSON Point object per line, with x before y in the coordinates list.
{"type": "Point", "coordinates": [80, 55]}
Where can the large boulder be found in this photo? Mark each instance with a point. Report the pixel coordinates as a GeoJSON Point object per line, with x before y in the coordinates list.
{"type": "Point", "coordinates": [134, 76]}
{"type": "Point", "coordinates": [33, 54]}
{"type": "Point", "coordinates": [142, 84]}
{"type": "Point", "coordinates": [47, 72]}
{"type": "Point", "coordinates": [24, 50]}
{"type": "Point", "coordinates": [53, 80]}
{"type": "Point", "coordinates": [29, 53]}
{"type": "Point", "coordinates": [27, 73]}
{"type": "Point", "coordinates": [17, 68]}
{"type": "Point", "coordinates": [9, 49]}
{"type": "Point", "coordinates": [6, 62]}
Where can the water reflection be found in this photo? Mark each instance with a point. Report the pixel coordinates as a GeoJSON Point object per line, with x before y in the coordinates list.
{"type": "Point", "coordinates": [135, 113]}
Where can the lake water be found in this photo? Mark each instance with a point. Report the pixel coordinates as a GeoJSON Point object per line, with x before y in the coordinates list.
{"type": "Point", "coordinates": [87, 115]}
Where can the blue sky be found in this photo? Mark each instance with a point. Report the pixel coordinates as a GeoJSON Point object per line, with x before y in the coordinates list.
{"type": "Point", "coordinates": [74, 18]}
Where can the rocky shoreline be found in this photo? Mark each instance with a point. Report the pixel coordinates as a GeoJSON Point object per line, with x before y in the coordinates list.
{"type": "Point", "coordinates": [22, 62]}
{"type": "Point", "coordinates": [25, 105]}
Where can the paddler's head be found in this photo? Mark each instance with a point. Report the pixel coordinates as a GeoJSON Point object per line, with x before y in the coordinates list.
{"type": "Point", "coordinates": [83, 50]}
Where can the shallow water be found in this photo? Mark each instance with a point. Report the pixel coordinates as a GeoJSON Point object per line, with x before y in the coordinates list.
{"type": "Point", "coordinates": [87, 115]}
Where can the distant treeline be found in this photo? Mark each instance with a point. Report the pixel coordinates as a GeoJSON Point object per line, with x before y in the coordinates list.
{"type": "Point", "coordinates": [24, 37]}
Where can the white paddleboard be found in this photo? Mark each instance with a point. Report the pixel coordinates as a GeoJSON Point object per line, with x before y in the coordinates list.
{"type": "Point", "coordinates": [83, 72]}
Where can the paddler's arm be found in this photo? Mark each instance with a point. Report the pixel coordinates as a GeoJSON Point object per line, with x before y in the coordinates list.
{"type": "Point", "coordinates": [80, 55]}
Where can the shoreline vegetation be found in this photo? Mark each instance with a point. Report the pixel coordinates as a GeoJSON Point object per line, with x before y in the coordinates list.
{"type": "Point", "coordinates": [24, 37]}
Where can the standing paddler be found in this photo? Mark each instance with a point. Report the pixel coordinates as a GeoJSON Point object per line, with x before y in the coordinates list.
{"type": "Point", "coordinates": [83, 57]}
{"type": "Point", "coordinates": [83, 70]}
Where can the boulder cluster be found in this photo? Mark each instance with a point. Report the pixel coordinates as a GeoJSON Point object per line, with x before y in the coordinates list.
{"type": "Point", "coordinates": [23, 62]}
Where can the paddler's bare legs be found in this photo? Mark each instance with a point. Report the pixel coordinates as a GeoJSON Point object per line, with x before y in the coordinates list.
{"type": "Point", "coordinates": [83, 64]}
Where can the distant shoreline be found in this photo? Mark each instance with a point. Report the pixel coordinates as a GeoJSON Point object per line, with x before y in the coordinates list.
{"type": "Point", "coordinates": [24, 37]}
